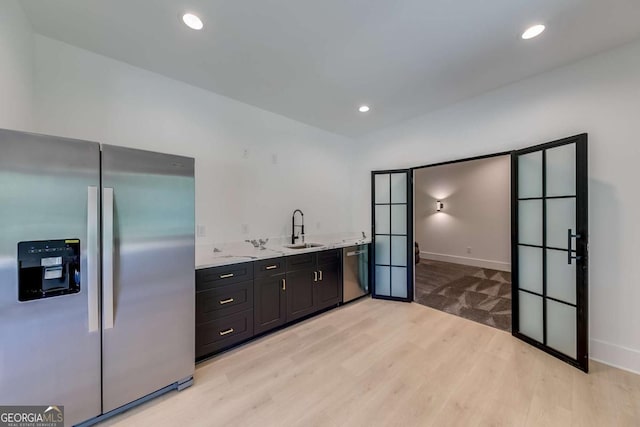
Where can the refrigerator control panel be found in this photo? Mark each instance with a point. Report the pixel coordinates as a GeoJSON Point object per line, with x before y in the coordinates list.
{"type": "Point", "coordinates": [48, 268]}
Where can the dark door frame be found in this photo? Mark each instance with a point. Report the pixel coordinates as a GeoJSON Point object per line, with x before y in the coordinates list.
{"type": "Point", "coordinates": [581, 247]}
{"type": "Point", "coordinates": [581, 251]}
{"type": "Point", "coordinates": [450, 162]}
{"type": "Point", "coordinates": [410, 266]}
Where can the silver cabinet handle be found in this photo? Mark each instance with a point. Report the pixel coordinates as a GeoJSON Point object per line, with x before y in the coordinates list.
{"type": "Point", "coordinates": [107, 257]}
{"type": "Point", "coordinates": [228, 331]}
{"type": "Point", "coordinates": [92, 258]}
{"type": "Point", "coordinates": [226, 276]}
{"type": "Point", "coordinates": [315, 276]}
{"type": "Point", "coordinates": [226, 301]}
{"type": "Point", "coordinates": [271, 267]}
{"type": "Point", "coordinates": [320, 275]}
{"type": "Point", "coordinates": [284, 284]}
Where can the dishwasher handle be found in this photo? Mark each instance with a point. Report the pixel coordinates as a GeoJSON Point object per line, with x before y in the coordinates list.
{"type": "Point", "coordinates": [355, 253]}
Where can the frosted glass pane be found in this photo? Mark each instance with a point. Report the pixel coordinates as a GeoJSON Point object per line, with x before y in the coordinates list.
{"type": "Point", "coordinates": [530, 315]}
{"type": "Point", "coordinates": [530, 269]}
{"type": "Point", "coordinates": [561, 171]}
{"type": "Point", "coordinates": [561, 277]}
{"type": "Point", "coordinates": [530, 175]}
{"type": "Point", "coordinates": [383, 219]}
{"type": "Point", "coordinates": [382, 188]}
{"type": "Point", "coordinates": [383, 281]}
{"type": "Point", "coordinates": [383, 250]}
{"type": "Point", "coordinates": [530, 222]}
{"type": "Point", "coordinates": [399, 219]}
{"type": "Point", "coordinates": [399, 188]}
{"type": "Point", "coordinates": [561, 216]}
{"type": "Point", "coordinates": [399, 282]}
{"type": "Point", "coordinates": [561, 328]}
{"type": "Point", "coordinates": [399, 250]}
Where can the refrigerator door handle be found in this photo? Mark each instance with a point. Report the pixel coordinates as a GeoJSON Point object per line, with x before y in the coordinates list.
{"type": "Point", "coordinates": [92, 258]}
{"type": "Point", "coordinates": [107, 257]}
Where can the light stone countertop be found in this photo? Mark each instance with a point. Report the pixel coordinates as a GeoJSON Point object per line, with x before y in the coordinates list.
{"type": "Point", "coordinates": [215, 255]}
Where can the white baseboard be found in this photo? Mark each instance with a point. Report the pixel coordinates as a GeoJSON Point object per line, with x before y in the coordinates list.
{"type": "Point", "coordinates": [474, 262]}
{"type": "Point", "coordinates": [615, 355]}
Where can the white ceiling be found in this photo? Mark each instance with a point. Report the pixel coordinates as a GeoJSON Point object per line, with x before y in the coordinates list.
{"type": "Point", "coordinates": [317, 60]}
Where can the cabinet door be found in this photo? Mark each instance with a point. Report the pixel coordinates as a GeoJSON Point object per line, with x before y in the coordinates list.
{"type": "Point", "coordinates": [269, 303]}
{"type": "Point", "coordinates": [328, 286]}
{"type": "Point", "coordinates": [300, 294]}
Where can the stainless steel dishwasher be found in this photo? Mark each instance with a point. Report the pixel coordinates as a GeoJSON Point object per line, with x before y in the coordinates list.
{"type": "Point", "coordinates": [355, 273]}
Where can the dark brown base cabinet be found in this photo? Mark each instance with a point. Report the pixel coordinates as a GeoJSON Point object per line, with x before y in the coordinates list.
{"type": "Point", "coordinates": [300, 294]}
{"type": "Point", "coordinates": [237, 302]}
{"type": "Point", "coordinates": [222, 333]}
{"type": "Point", "coordinates": [328, 289]}
{"type": "Point", "coordinates": [270, 304]}
{"type": "Point", "coordinates": [224, 307]}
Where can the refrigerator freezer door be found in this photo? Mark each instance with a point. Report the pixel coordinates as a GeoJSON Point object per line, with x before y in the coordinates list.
{"type": "Point", "coordinates": [49, 347]}
{"type": "Point", "coordinates": [149, 341]}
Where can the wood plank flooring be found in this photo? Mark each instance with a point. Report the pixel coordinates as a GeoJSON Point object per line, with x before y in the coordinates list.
{"type": "Point", "coordinates": [380, 363]}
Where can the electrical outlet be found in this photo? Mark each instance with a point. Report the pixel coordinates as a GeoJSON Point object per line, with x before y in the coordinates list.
{"type": "Point", "coordinates": [468, 249]}
{"type": "Point", "coordinates": [201, 230]}
{"type": "Point", "coordinates": [245, 154]}
{"type": "Point", "coordinates": [274, 158]}
{"type": "Point", "coordinates": [318, 225]}
{"type": "Point", "coordinates": [245, 228]}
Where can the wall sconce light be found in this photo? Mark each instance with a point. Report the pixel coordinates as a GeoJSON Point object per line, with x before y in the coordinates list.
{"type": "Point", "coordinates": [439, 206]}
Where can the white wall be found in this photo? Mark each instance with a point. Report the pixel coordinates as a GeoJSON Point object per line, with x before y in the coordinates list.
{"type": "Point", "coordinates": [474, 227]}
{"type": "Point", "coordinates": [599, 95]}
{"type": "Point", "coordinates": [16, 67]}
{"type": "Point", "coordinates": [83, 95]}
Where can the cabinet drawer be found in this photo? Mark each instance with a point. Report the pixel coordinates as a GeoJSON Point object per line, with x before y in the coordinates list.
{"type": "Point", "coordinates": [208, 278]}
{"type": "Point", "coordinates": [268, 267]}
{"type": "Point", "coordinates": [223, 301]}
{"type": "Point", "coordinates": [223, 332]}
{"type": "Point", "coordinates": [301, 262]}
{"type": "Point", "coordinates": [331, 256]}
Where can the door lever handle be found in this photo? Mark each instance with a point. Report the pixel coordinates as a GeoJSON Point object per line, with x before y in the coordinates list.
{"type": "Point", "coordinates": [570, 236]}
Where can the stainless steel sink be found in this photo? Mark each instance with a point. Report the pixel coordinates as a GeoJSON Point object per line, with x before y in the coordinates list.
{"type": "Point", "coordinates": [304, 245]}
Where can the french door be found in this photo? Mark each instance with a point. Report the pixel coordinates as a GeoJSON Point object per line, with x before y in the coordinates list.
{"type": "Point", "coordinates": [392, 233]}
{"type": "Point", "coordinates": [550, 248]}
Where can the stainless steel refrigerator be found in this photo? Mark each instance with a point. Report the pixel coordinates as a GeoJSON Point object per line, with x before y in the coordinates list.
{"type": "Point", "coordinates": [96, 274]}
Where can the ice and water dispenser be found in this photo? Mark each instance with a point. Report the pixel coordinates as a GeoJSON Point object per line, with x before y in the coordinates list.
{"type": "Point", "coordinates": [48, 268]}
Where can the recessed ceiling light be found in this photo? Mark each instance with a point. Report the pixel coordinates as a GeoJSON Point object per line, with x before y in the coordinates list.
{"type": "Point", "coordinates": [532, 32]}
{"type": "Point", "coordinates": [364, 108]}
{"type": "Point", "coordinates": [192, 21]}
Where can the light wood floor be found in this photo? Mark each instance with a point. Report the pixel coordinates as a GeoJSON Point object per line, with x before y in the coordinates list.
{"type": "Point", "coordinates": [379, 363]}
